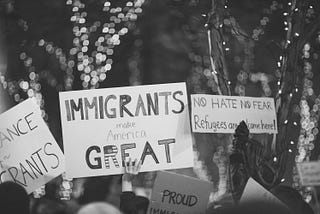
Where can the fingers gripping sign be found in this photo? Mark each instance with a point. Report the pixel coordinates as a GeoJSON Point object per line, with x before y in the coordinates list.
{"type": "Point", "coordinates": [132, 169]}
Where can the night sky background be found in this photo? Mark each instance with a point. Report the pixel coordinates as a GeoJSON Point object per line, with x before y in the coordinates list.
{"type": "Point", "coordinates": [167, 35]}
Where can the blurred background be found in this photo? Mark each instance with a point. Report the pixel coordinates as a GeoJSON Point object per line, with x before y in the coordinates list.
{"type": "Point", "coordinates": [237, 47]}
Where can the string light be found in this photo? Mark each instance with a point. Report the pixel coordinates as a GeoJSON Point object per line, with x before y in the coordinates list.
{"type": "Point", "coordinates": [94, 66]}
{"type": "Point", "coordinates": [309, 121]}
{"type": "Point", "coordinates": [280, 72]}
{"type": "Point", "coordinates": [40, 192]}
{"type": "Point", "coordinates": [264, 79]}
{"type": "Point", "coordinates": [248, 61]}
{"type": "Point", "coordinates": [25, 88]}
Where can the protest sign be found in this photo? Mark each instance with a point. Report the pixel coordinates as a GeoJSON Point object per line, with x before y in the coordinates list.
{"type": "Point", "coordinates": [222, 114]}
{"type": "Point", "coordinates": [29, 154]}
{"type": "Point", "coordinates": [309, 173]}
{"type": "Point", "coordinates": [103, 127]}
{"type": "Point", "coordinates": [179, 194]}
{"type": "Point", "coordinates": [254, 192]}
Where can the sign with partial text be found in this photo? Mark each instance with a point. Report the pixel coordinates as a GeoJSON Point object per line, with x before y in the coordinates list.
{"type": "Point", "coordinates": [29, 154]}
{"type": "Point", "coordinates": [222, 114]}
{"type": "Point", "coordinates": [179, 194]}
{"type": "Point", "coordinates": [103, 127]}
{"type": "Point", "coordinates": [309, 173]}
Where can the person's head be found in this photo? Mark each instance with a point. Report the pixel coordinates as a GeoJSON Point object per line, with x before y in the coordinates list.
{"type": "Point", "coordinates": [99, 208]}
{"type": "Point", "coordinates": [292, 199]}
{"type": "Point", "coordinates": [48, 206]}
{"type": "Point", "coordinates": [106, 188]}
{"type": "Point", "coordinates": [13, 199]}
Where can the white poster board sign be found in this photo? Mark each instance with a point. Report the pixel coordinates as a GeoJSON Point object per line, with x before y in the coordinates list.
{"type": "Point", "coordinates": [309, 173]}
{"type": "Point", "coordinates": [29, 154]}
{"type": "Point", "coordinates": [102, 127]}
{"type": "Point", "coordinates": [222, 114]}
{"type": "Point", "coordinates": [174, 193]}
{"type": "Point", "coordinates": [254, 192]}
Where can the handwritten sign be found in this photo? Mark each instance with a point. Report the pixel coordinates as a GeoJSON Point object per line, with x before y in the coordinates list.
{"type": "Point", "coordinates": [309, 173]}
{"type": "Point", "coordinates": [29, 154]}
{"type": "Point", "coordinates": [103, 127]}
{"type": "Point", "coordinates": [174, 193]}
{"type": "Point", "coordinates": [254, 192]}
{"type": "Point", "coordinates": [222, 114]}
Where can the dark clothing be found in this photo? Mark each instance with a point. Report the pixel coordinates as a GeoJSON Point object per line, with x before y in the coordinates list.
{"type": "Point", "coordinates": [13, 199]}
{"type": "Point", "coordinates": [247, 160]}
{"type": "Point", "coordinates": [130, 203]}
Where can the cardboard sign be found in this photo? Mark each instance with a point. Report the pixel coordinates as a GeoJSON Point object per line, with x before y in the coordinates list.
{"type": "Point", "coordinates": [174, 193]}
{"type": "Point", "coordinates": [309, 173]}
{"type": "Point", "coordinates": [103, 127]}
{"type": "Point", "coordinates": [222, 114]}
{"type": "Point", "coordinates": [29, 154]}
{"type": "Point", "coordinates": [254, 192]}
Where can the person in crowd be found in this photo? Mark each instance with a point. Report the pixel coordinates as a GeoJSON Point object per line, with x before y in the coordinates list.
{"type": "Point", "coordinates": [103, 189]}
{"type": "Point", "coordinates": [130, 203]}
{"type": "Point", "coordinates": [48, 206]}
{"type": "Point", "coordinates": [13, 199]}
{"type": "Point", "coordinates": [292, 199]}
{"type": "Point", "coordinates": [247, 160]}
{"type": "Point", "coordinates": [99, 208]}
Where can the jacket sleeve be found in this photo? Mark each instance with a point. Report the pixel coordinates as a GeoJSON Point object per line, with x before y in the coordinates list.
{"type": "Point", "coordinates": [132, 204]}
{"type": "Point", "coordinates": [127, 203]}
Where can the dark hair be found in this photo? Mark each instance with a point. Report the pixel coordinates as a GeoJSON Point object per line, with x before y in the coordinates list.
{"type": "Point", "coordinates": [96, 189]}
{"type": "Point", "coordinates": [13, 199]}
{"type": "Point", "coordinates": [49, 206]}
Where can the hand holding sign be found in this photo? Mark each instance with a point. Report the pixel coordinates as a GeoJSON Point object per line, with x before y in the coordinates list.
{"type": "Point", "coordinates": [132, 169]}
{"type": "Point", "coordinates": [148, 123]}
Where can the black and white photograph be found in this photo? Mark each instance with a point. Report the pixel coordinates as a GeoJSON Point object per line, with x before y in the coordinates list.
{"type": "Point", "coordinates": [159, 106]}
